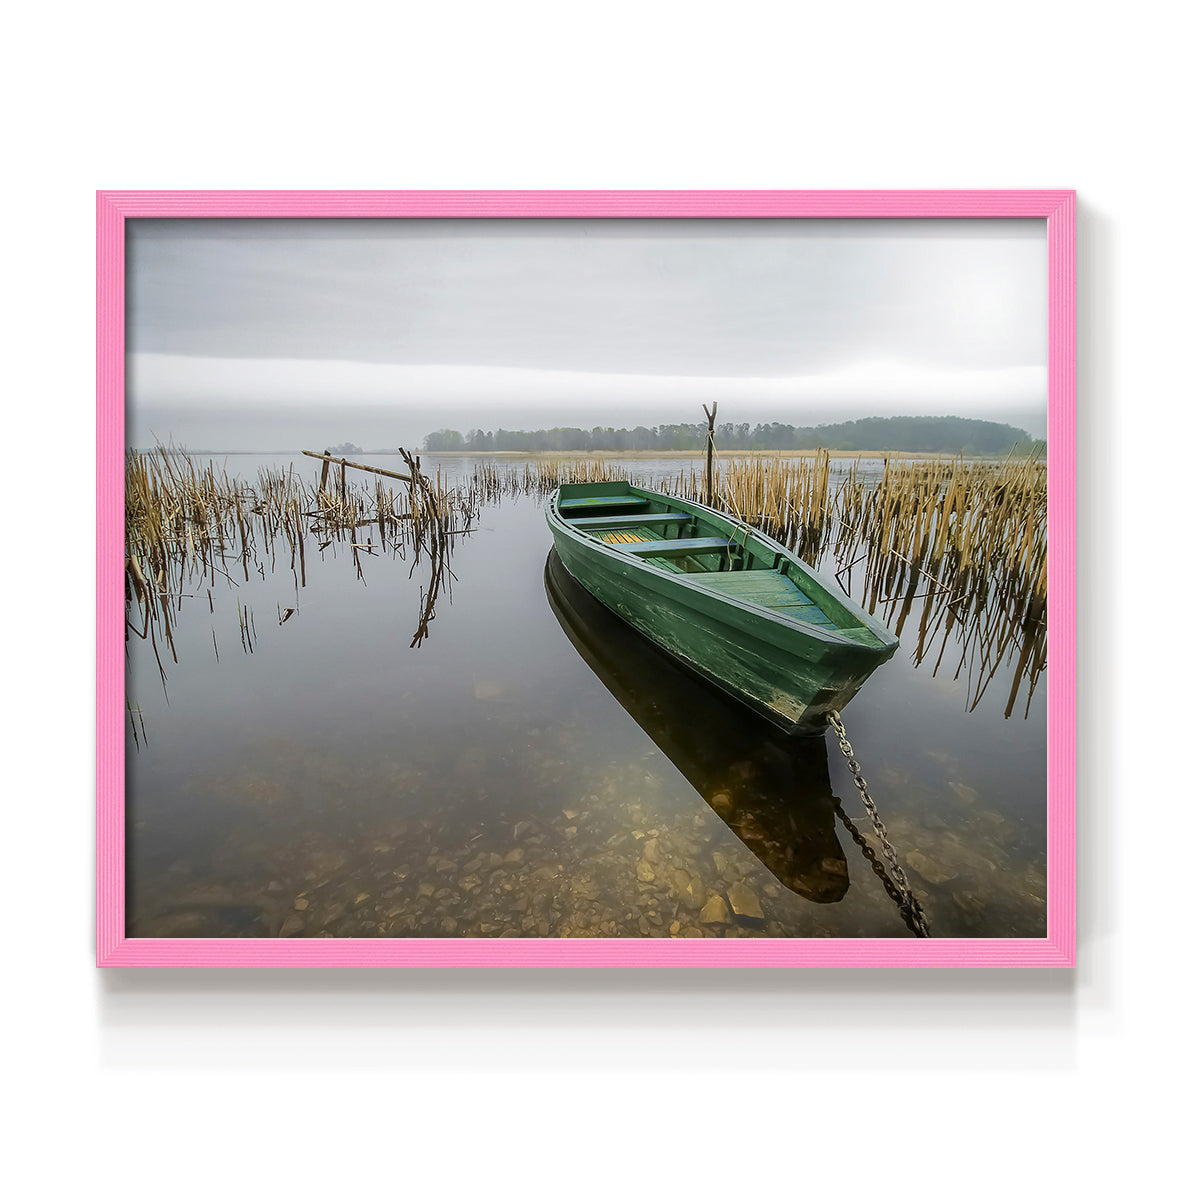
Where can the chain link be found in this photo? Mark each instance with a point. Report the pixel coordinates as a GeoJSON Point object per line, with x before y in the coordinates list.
{"type": "Point", "coordinates": [910, 906]}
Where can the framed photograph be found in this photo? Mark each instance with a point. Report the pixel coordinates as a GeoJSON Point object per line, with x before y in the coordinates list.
{"type": "Point", "coordinates": [589, 579]}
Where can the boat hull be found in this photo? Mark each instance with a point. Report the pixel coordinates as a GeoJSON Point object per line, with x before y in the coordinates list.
{"type": "Point", "coordinates": [791, 674]}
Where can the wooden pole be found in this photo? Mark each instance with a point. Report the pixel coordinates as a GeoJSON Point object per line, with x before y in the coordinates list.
{"type": "Point", "coordinates": [344, 463]}
{"type": "Point", "coordinates": [712, 416]}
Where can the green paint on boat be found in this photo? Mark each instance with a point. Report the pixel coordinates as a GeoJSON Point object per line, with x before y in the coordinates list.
{"type": "Point", "coordinates": [730, 603]}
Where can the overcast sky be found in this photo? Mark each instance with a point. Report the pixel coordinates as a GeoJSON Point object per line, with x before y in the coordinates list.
{"type": "Point", "coordinates": [286, 334]}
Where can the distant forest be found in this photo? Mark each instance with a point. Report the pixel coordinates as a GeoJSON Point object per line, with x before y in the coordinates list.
{"type": "Point", "coordinates": [938, 435]}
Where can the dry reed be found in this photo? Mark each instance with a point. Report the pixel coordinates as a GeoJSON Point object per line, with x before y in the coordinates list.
{"type": "Point", "coordinates": [186, 525]}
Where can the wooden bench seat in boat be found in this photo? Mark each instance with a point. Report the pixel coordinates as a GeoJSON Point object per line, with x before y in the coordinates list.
{"type": "Point", "coordinates": [619, 536]}
{"type": "Point", "coordinates": [586, 502]}
{"type": "Point", "coordinates": [642, 535]}
{"type": "Point", "coordinates": [620, 519]}
{"type": "Point", "coordinates": [677, 547]}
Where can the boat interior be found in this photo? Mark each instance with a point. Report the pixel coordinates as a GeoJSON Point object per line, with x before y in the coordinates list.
{"type": "Point", "coordinates": [681, 542]}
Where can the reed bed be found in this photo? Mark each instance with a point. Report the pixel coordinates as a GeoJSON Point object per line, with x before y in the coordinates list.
{"type": "Point", "coordinates": [190, 529]}
{"type": "Point", "coordinates": [492, 481]}
{"type": "Point", "coordinates": [786, 497]}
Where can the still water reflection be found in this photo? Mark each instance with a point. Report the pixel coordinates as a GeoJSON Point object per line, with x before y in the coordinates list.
{"type": "Point", "coordinates": [532, 769]}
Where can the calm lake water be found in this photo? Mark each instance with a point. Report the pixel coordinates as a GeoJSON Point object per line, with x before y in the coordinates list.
{"type": "Point", "coordinates": [533, 769]}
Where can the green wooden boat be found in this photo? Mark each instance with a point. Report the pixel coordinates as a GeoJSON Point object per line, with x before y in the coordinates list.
{"type": "Point", "coordinates": [728, 602]}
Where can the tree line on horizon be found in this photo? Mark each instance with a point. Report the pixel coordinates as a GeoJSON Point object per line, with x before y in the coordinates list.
{"type": "Point", "coordinates": [933, 435]}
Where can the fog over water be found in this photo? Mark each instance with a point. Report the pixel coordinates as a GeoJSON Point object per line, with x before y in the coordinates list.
{"type": "Point", "coordinates": [276, 334]}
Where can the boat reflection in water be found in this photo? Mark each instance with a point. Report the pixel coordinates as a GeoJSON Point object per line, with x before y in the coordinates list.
{"type": "Point", "coordinates": [772, 790]}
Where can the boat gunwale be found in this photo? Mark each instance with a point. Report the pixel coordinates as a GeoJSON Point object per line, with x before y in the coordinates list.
{"type": "Point", "coordinates": [887, 641]}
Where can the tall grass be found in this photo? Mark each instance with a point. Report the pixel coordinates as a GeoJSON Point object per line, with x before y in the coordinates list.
{"type": "Point", "coordinates": [491, 481]}
{"type": "Point", "coordinates": [189, 526]}
{"type": "Point", "coordinates": [786, 497]}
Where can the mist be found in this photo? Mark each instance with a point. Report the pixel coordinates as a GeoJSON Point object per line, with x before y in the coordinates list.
{"type": "Point", "coordinates": [259, 335]}
{"type": "Point", "coordinates": [235, 404]}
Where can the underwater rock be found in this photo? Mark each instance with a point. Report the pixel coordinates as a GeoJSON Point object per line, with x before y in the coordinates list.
{"type": "Point", "coordinates": [929, 869]}
{"type": "Point", "coordinates": [688, 888]}
{"type": "Point", "coordinates": [716, 912]}
{"type": "Point", "coordinates": [745, 904]}
{"type": "Point", "coordinates": [587, 890]}
{"type": "Point", "coordinates": [722, 803]}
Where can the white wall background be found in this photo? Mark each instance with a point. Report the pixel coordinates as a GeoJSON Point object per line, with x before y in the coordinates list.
{"type": "Point", "coordinates": [846, 1083]}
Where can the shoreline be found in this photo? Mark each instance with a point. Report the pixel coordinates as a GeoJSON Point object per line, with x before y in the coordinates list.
{"type": "Point", "coordinates": [560, 455]}
{"type": "Point", "coordinates": [600, 455]}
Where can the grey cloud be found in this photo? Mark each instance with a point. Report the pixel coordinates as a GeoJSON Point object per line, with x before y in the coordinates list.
{"type": "Point", "coordinates": [771, 304]}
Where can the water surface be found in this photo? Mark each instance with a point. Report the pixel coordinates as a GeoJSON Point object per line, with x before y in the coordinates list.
{"type": "Point", "coordinates": [533, 769]}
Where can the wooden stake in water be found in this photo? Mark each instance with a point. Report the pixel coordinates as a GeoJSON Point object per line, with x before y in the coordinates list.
{"type": "Point", "coordinates": [712, 416]}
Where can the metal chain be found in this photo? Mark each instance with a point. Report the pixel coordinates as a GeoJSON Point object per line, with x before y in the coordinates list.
{"type": "Point", "coordinates": [877, 868]}
{"type": "Point", "coordinates": [910, 906]}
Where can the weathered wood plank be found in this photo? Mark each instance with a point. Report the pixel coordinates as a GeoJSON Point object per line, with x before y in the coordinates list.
{"type": "Point", "coordinates": [678, 547]}
{"type": "Point", "coordinates": [631, 519]}
{"type": "Point", "coordinates": [602, 502]}
{"type": "Point", "coordinates": [623, 536]}
{"type": "Point", "coordinates": [769, 589]}
{"type": "Point", "coordinates": [344, 463]}
{"type": "Point", "coordinates": [759, 582]}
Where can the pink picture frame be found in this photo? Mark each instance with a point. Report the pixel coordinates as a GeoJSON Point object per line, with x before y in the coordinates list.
{"type": "Point", "coordinates": [115, 949]}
